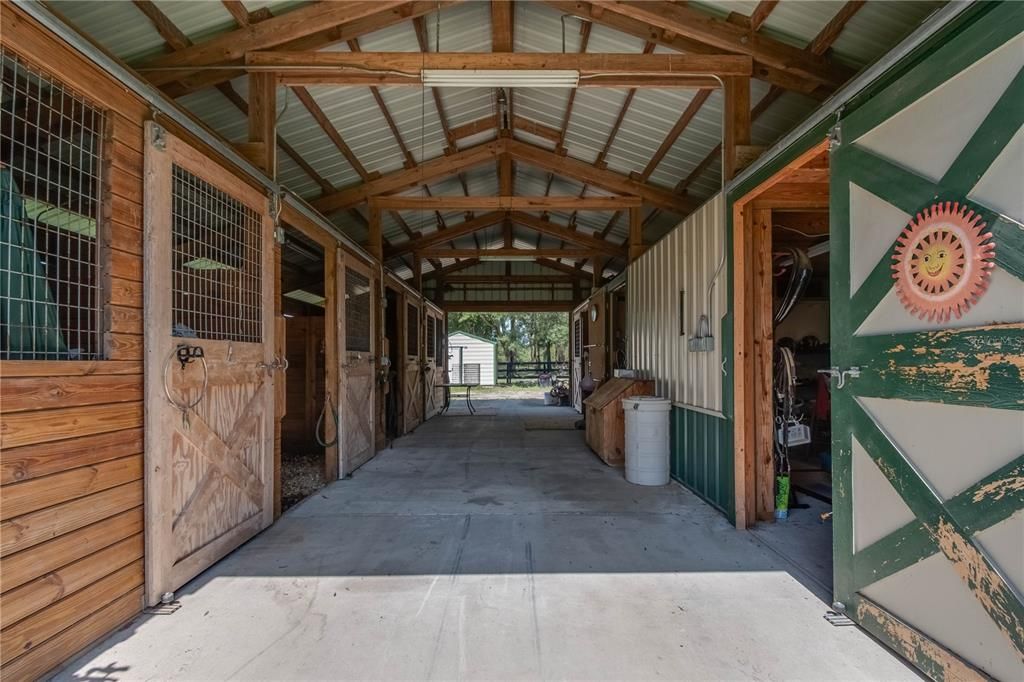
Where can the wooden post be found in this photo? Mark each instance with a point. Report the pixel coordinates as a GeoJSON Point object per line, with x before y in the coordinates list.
{"type": "Point", "coordinates": [636, 234]}
{"type": "Point", "coordinates": [376, 238]}
{"type": "Point", "coordinates": [505, 186]}
{"type": "Point", "coordinates": [737, 121]}
{"type": "Point", "coordinates": [417, 273]}
{"type": "Point", "coordinates": [761, 302]}
{"type": "Point", "coordinates": [598, 264]}
{"type": "Point", "coordinates": [743, 375]}
{"type": "Point", "coordinates": [262, 147]}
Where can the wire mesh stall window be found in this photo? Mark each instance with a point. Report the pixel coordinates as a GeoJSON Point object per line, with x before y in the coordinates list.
{"type": "Point", "coordinates": [216, 260]}
{"type": "Point", "coordinates": [412, 326]}
{"type": "Point", "coordinates": [51, 152]}
{"type": "Point", "coordinates": [357, 312]}
{"type": "Point", "coordinates": [431, 336]}
{"type": "Point", "coordinates": [440, 352]}
{"type": "Point", "coordinates": [577, 337]}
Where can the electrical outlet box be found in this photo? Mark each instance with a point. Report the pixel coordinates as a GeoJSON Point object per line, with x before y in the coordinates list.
{"type": "Point", "coordinates": [798, 434]}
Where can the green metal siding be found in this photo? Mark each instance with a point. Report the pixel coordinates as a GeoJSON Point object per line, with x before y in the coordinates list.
{"type": "Point", "coordinates": [701, 456]}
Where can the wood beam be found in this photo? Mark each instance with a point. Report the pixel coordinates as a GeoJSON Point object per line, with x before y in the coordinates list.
{"type": "Point", "coordinates": [449, 269]}
{"type": "Point", "coordinates": [670, 39]}
{"type": "Point", "coordinates": [232, 96]}
{"type": "Point", "coordinates": [685, 119]}
{"type": "Point", "coordinates": [597, 276]}
{"type": "Point", "coordinates": [607, 180]}
{"type": "Point", "coordinates": [719, 34]}
{"type": "Point", "coordinates": [737, 121]}
{"type": "Point", "coordinates": [451, 232]}
{"type": "Point", "coordinates": [636, 234]}
{"type": "Point", "coordinates": [537, 306]}
{"type": "Point", "coordinates": [261, 149]}
{"type": "Point", "coordinates": [171, 34]}
{"type": "Point", "coordinates": [290, 26]}
{"type": "Point", "coordinates": [376, 235]}
{"type": "Point", "coordinates": [532, 127]}
{"type": "Point", "coordinates": [551, 229]}
{"type": "Point", "coordinates": [508, 253]}
{"type": "Point", "coordinates": [332, 133]}
{"type": "Point", "coordinates": [761, 12]}
{"type": "Point", "coordinates": [323, 37]}
{"type": "Point", "coordinates": [794, 196]}
{"type": "Point", "coordinates": [440, 167]}
{"type": "Point", "coordinates": [405, 68]}
{"type": "Point", "coordinates": [511, 279]}
{"type": "Point", "coordinates": [506, 203]}
{"type": "Point", "coordinates": [506, 189]}
{"type": "Point", "coordinates": [475, 127]}
{"type": "Point", "coordinates": [562, 267]}
{"type": "Point", "coordinates": [502, 14]}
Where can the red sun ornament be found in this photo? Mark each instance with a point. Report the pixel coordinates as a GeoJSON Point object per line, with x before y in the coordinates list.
{"type": "Point", "coordinates": [942, 261]}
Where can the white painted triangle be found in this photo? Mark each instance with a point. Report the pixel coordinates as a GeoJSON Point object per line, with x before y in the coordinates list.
{"type": "Point", "coordinates": [874, 226]}
{"type": "Point", "coordinates": [1000, 187]}
{"type": "Point", "coordinates": [952, 446]}
{"type": "Point", "coordinates": [1004, 545]}
{"type": "Point", "coordinates": [932, 598]}
{"type": "Point", "coordinates": [877, 508]}
{"type": "Point", "coordinates": [1002, 303]}
{"type": "Point", "coordinates": [928, 135]}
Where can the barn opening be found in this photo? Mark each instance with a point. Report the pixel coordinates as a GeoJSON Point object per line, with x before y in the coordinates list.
{"type": "Point", "coordinates": [781, 229]}
{"type": "Point", "coordinates": [235, 242]}
{"type": "Point", "coordinates": [310, 423]}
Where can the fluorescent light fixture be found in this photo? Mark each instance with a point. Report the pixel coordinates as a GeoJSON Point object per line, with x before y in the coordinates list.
{"type": "Point", "coordinates": [511, 258]}
{"type": "Point", "coordinates": [499, 78]}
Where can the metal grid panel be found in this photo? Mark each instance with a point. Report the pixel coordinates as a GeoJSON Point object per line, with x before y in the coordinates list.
{"type": "Point", "coordinates": [51, 147]}
{"type": "Point", "coordinates": [431, 336]}
{"type": "Point", "coordinates": [357, 312]}
{"type": "Point", "coordinates": [216, 257]}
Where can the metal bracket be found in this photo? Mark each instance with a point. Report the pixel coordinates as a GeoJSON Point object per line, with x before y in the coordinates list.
{"type": "Point", "coordinates": [159, 140]}
{"type": "Point", "coordinates": [841, 374]}
{"type": "Point", "coordinates": [835, 133]}
{"type": "Point", "coordinates": [838, 619]}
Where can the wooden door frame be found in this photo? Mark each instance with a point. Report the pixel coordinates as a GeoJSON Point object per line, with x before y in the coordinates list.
{"type": "Point", "coordinates": [753, 345]}
{"type": "Point", "coordinates": [330, 246]}
{"type": "Point", "coordinates": [163, 150]}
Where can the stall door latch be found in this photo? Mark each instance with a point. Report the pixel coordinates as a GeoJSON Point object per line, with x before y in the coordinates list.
{"type": "Point", "coordinates": [841, 374]}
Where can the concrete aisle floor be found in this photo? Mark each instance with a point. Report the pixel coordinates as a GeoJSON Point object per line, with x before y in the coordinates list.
{"type": "Point", "coordinates": [479, 549]}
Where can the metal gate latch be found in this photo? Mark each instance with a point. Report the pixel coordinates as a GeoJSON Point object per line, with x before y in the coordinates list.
{"type": "Point", "coordinates": [841, 375]}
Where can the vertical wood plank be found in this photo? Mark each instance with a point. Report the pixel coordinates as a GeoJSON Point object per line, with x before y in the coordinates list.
{"type": "Point", "coordinates": [262, 115]}
{"type": "Point", "coordinates": [636, 233]}
{"type": "Point", "coordinates": [764, 464]}
{"type": "Point", "coordinates": [743, 371]}
{"type": "Point", "coordinates": [331, 360]}
{"type": "Point", "coordinates": [376, 234]}
{"type": "Point", "coordinates": [157, 290]}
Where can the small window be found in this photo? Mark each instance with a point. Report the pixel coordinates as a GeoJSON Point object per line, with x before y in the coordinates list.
{"type": "Point", "coordinates": [217, 263]}
{"type": "Point", "coordinates": [51, 151]}
{"type": "Point", "coordinates": [412, 326]}
{"type": "Point", "coordinates": [577, 337]}
{"type": "Point", "coordinates": [431, 336]}
{"type": "Point", "coordinates": [357, 312]}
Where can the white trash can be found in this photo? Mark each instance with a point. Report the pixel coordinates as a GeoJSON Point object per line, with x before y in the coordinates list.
{"type": "Point", "coordinates": [647, 419]}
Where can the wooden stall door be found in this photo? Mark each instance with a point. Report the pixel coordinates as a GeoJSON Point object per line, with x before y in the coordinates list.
{"type": "Point", "coordinates": [209, 288]}
{"type": "Point", "coordinates": [433, 373]}
{"type": "Point", "coordinates": [928, 331]}
{"type": "Point", "coordinates": [357, 378]}
{"type": "Point", "coordinates": [413, 385]}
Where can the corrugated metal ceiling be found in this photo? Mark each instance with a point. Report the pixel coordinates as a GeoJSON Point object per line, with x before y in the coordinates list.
{"type": "Point", "coordinates": [465, 27]}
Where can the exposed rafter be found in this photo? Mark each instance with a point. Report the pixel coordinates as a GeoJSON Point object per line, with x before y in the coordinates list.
{"type": "Point", "coordinates": [718, 34]}
{"type": "Point", "coordinates": [433, 239]}
{"type": "Point", "coordinates": [507, 253]}
{"type": "Point", "coordinates": [317, 30]}
{"type": "Point", "coordinates": [406, 68]}
{"type": "Point", "coordinates": [506, 203]}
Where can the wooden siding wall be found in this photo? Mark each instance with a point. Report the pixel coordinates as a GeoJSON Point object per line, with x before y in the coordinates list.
{"type": "Point", "coordinates": [71, 437]}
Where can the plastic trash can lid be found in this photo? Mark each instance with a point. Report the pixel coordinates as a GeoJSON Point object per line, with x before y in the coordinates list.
{"type": "Point", "coordinates": [647, 403]}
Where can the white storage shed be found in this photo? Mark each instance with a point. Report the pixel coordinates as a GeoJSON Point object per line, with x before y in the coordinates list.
{"type": "Point", "coordinates": [468, 354]}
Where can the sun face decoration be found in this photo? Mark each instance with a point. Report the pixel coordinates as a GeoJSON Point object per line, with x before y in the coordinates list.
{"type": "Point", "coordinates": [942, 262]}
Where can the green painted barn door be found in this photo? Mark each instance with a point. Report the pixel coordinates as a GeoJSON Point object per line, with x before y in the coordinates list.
{"type": "Point", "coordinates": [928, 427]}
